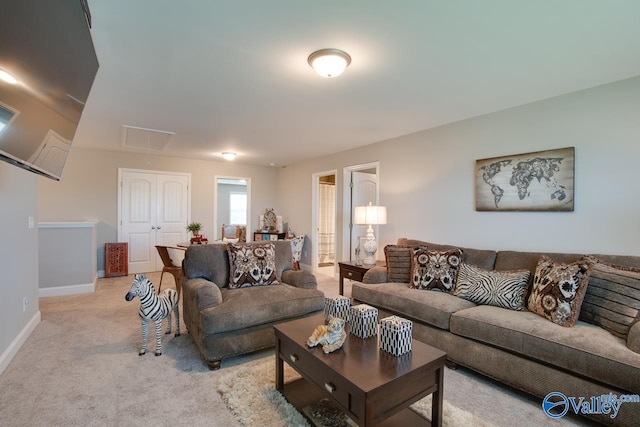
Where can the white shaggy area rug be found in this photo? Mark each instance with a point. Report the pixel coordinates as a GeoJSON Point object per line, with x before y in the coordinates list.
{"type": "Point", "coordinates": [249, 392]}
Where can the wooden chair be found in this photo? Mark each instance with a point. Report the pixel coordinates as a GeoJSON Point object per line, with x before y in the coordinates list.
{"type": "Point", "coordinates": [170, 267]}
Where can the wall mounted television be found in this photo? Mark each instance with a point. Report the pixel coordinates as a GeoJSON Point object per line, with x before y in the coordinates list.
{"type": "Point", "coordinates": [46, 47]}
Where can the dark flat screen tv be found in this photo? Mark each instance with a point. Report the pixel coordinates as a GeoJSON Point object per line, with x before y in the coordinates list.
{"type": "Point", "coordinates": [46, 47]}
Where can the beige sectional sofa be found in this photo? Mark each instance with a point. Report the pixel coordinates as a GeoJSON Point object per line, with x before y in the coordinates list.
{"type": "Point", "coordinates": [519, 348]}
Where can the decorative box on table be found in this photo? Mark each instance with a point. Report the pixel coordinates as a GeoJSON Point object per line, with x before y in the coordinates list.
{"type": "Point", "coordinates": [363, 321]}
{"type": "Point", "coordinates": [337, 306]}
{"type": "Point", "coordinates": [395, 335]}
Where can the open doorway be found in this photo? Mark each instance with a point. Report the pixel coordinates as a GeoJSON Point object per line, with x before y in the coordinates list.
{"type": "Point", "coordinates": [232, 201]}
{"type": "Point", "coordinates": [324, 223]}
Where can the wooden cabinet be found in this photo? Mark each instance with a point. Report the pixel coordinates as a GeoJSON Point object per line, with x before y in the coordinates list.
{"type": "Point", "coordinates": [259, 235]}
{"type": "Point", "coordinates": [116, 259]}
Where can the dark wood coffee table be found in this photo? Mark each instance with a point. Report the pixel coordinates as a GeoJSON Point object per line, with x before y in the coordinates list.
{"type": "Point", "coordinates": [371, 386]}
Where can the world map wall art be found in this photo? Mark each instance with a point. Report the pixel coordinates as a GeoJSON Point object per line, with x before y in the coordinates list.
{"type": "Point", "coordinates": [540, 181]}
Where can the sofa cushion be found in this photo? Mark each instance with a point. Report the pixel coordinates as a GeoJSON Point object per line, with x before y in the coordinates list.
{"type": "Point", "coordinates": [253, 306]}
{"type": "Point", "coordinates": [398, 260]}
{"type": "Point", "coordinates": [612, 300]}
{"type": "Point", "coordinates": [480, 257]}
{"type": "Point", "coordinates": [435, 270]}
{"type": "Point", "coordinates": [558, 290]}
{"type": "Point", "coordinates": [434, 308]}
{"type": "Point", "coordinates": [252, 265]}
{"type": "Point", "coordinates": [584, 349]}
{"type": "Point", "coordinates": [500, 288]}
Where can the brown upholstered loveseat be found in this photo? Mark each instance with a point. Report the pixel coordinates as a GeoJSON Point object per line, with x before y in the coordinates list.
{"type": "Point", "coordinates": [518, 348]}
{"type": "Point", "coordinates": [228, 322]}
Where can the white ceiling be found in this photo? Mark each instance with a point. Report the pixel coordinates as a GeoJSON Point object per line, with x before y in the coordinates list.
{"type": "Point", "coordinates": [233, 75]}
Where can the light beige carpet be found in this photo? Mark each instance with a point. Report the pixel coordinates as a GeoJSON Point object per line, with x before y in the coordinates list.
{"type": "Point", "coordinates": [80, 367]}
{"type": "Point", "coordinates": [250, 393]}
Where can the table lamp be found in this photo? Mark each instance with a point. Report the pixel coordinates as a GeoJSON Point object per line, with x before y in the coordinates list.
{"type": "Point", "coordinates": [370, 215]}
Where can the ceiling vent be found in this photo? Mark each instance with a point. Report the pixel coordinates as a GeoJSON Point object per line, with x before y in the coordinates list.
{"type": "Point", "coordinates": [145, 139]}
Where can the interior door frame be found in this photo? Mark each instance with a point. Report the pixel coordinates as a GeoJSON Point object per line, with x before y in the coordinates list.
{"type": "Point", "coordinates": [216, 226]}
{"type": "Point", "coordinates": [347, 218]}
{"type": "Point", "coordinates": [315, 241]}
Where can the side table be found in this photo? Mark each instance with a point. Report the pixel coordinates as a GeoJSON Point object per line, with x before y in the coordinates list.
{"type": "Point", "coordinates": [350, 270]}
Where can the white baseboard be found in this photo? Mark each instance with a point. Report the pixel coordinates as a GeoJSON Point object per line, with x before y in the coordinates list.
{"type": "Point", "coordinates": [68, 290]}
{"type": "Point", "coordinates": [15, 345]}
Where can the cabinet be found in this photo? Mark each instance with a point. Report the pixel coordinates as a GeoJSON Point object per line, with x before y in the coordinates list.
{"type": "Point", "coordinates": [259, 235]}
{"type": "Point", "coordinates": [116, 259]}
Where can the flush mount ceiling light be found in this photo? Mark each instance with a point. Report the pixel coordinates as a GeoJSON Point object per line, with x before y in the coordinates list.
{"type": "Point", "coordinates": [227, 155]}
{"type": "Point", "coordinates": [6, 77]}
{"type": "Point", "coordinates": [329, 62]}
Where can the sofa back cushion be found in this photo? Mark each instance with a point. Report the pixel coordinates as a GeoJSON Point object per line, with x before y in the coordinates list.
{"type": "Point", "coordinates": [515, 260]}
{"type": "Point", "coordinates": [478, 257]}
{"type": "Point", "coordinates": [211, 262]}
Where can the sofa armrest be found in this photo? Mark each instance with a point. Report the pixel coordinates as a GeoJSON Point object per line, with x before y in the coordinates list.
{"type": "Point", "coordinates": [633, 339]}
{"type": "Point", "coordinates": [201, 293]}
{"type": "Point", "coordinates": [375, 275]}
{"type": "Point", "coordinates": [300, 279]}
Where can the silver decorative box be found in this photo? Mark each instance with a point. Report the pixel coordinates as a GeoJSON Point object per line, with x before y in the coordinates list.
{"type": "Point", "coordinates": [363, 321]}
{"type": "Point", "coordinates": [337, 306]}
{"type": "Point", "coordinates": [395, 335]}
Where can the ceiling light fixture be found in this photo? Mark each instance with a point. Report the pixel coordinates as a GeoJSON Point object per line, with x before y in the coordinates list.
{"type": "Point", "coordinates": [329, 62]}
{"type": "Point", "coordinates": [6, 77]}
{"type": "Point", "coordinates": [227, 155]}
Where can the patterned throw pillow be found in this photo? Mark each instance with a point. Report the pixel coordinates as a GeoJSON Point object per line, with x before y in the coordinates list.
{"type": "Point", "coordinates": [252, 265]}
{"type": "Point", "coordinates": [435, 270]}
{"type": "Point", "coordinates": [488, 287]}
{"type": "Point", "coordinates": [558, 290]}
{"type": "Point", "coordinates": [612, 300]}
{"type": "Point", "coordinates": [398, 259]}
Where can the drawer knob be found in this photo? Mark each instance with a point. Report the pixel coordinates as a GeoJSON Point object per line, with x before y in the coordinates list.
{"type": "Point", "coordinates": [350, 274]}
{"type": "Point", "coordinates": [293, 357]}
{"type": "Point", "coordinates": [330, 387]}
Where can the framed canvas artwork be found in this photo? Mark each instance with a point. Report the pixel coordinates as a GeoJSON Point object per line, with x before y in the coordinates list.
{"type": "Point", "coordinates": [540, 181]}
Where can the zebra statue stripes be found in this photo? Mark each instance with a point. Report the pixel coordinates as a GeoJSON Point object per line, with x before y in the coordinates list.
{"type": "Point", "coordinates": [154, 307]}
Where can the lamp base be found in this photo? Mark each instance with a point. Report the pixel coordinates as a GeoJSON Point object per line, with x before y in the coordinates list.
{"type": "Point", "coordinates": [370, 247]}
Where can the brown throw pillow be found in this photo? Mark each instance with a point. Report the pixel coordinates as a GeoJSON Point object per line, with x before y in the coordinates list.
{"type": "Point", "coordinates": [398, 259]}
{"type": "Point", "coordinates": [612, 300]}
{"type": "Point", "coordinates": [252, 265]}
{"type": "Point", "coordinates": [558, 290]}
{"type": "Point", "coordinates": [435, 270]}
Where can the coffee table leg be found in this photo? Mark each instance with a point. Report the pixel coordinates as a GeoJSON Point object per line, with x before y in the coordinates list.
{"type": "Point", "coordinates": [279, 368]}
{"type": "Point", "coordinates": [436, 402]}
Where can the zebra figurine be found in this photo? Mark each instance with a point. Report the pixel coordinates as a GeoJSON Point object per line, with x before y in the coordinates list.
{"type": "Point", "coordinates": [154, 308]}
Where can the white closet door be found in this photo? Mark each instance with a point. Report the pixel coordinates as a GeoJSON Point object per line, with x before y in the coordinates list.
{"type": "Point", "coordinates": [154, 210]}
{"type": "Point", "coordinates": [172, 209]}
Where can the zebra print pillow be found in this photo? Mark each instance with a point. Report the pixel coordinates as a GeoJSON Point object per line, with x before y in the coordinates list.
{"type": "Point", "coordinates": [499, 288]}
{"type": "Point", "coordinates": [252, 265]}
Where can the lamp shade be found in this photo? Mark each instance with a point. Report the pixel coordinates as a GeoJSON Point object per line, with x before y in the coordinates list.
{"type": "Point", "coordinates": [370, 215]}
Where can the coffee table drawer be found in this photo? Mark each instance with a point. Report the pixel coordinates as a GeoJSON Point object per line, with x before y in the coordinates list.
{"type": "Point", "coordinates": [316, 371]}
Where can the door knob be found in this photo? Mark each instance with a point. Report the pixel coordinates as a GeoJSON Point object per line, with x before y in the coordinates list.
{"type": "Point", "coordinates": [159, 227]}
{"type": "Point", "coordinates": [153, 227]}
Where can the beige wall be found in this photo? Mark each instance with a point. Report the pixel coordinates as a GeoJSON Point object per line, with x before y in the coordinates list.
{"type": "Point", "coordinates": [88, 189]}
{"type": "Point", "coordinates": [18, 259]}
{"type": "Point", "coordinates": [427, 178]}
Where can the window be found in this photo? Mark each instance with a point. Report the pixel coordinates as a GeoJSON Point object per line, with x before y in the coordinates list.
{"type": "Point", "coordinates": [238, 208]}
